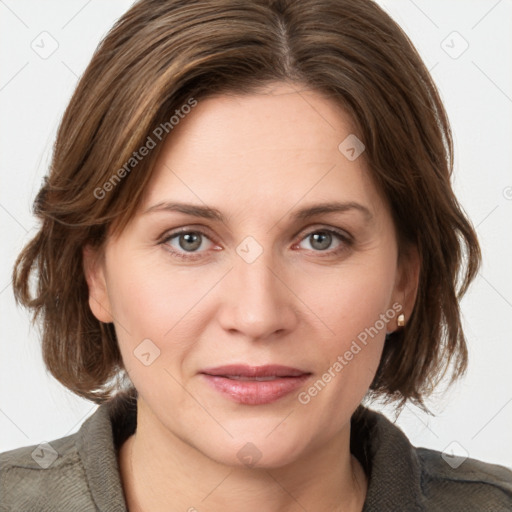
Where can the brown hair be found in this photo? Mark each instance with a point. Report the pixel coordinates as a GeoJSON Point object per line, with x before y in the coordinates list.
{"type": "Point", "coordinates": [161, 56]}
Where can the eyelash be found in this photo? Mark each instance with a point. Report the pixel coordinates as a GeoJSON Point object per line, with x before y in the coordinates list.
{"type": "Point", "coordinates": [346, 240]}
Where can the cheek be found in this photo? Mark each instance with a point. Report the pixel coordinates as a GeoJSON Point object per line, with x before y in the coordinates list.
{"type": "Point", "coordinates": [138, 299]}
{"type": "Point", "coordinates": [159, 303]}
{"type": "Point", "coordinates": [149, 297]}
{"type": "Point", "coordinates": [350, 299]}
{"type": "Point", "coordinates": [354, 307]}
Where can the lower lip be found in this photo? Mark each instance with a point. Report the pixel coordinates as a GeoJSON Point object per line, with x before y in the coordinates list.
{"type": "Point", "coordinates": [254, 392]}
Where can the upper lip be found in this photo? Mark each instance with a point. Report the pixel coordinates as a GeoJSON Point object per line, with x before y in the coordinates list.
{"type": "Point", "coordinates": [243, 370]}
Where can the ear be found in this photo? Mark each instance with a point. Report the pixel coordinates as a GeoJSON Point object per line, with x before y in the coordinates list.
{"type": "Point", "coordinates": [94, 271]}
{"type": "Point", "coordinates": [406, 285]}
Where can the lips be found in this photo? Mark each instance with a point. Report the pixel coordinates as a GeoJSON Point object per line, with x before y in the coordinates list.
{"type": "Point", "coordinates": [238, 370]}
{"type": "Point", "coordinates": [255, 385]}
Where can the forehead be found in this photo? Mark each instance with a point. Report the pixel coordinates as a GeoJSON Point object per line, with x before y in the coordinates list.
{"type": "Point", "coordinates": [278, 119]}
{"type": "Point", "coordinates": [259, 153]}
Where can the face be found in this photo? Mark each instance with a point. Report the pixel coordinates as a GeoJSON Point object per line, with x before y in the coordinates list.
{"type": "Point", "coordinates": [254, 281]}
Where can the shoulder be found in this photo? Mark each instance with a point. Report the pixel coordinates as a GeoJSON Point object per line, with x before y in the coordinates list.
{"type": "Point", "coordinates": [425, 480]}
{"type": "Point", "coordinates": [39, 477]}
{"type": "Point", "coordinates": [464, 482]}
{"type": "Point", "coordinates": [76, 472]}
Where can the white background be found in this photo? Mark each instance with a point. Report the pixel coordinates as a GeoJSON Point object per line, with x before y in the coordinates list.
{"type": "Point", "coordinates": [475, 416]}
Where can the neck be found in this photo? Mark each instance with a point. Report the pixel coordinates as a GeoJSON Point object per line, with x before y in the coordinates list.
{"type": "Point", "coordinates": [160, 471]}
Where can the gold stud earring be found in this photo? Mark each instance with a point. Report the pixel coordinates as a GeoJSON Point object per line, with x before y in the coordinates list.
{"type": "Point", "coordinates": [401, 320]}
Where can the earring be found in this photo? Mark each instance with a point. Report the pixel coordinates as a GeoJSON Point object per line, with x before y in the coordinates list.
{"type": "Point", "coordinates": [401, 320]}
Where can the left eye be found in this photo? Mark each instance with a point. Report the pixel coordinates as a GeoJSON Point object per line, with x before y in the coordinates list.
{"type": "Point", "coordinates": [321, 240]}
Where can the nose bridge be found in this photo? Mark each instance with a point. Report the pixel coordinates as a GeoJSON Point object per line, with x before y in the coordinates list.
{"type": "Point", "coordinates": [259, 303]}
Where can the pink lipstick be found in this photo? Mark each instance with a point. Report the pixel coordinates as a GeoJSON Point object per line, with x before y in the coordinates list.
{"type": "Point", "coordinates": [255, 385]}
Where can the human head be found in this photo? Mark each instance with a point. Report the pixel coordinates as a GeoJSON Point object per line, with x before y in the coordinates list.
{"type": "Point", "coordinates": [152, 64]}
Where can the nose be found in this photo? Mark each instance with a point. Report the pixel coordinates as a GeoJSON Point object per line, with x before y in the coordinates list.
{"type": "Point", "coordinates": [258, 302]}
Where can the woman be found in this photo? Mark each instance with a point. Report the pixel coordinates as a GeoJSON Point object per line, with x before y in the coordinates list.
{"type": "Point", "coordinates": [247, 229]}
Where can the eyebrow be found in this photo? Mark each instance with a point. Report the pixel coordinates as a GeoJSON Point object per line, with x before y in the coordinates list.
{"type": "Point", "coordinates": [305, 213]}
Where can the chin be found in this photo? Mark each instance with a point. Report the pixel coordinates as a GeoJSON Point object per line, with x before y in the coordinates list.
{"type": "Point", "coordinates": [255, 452]}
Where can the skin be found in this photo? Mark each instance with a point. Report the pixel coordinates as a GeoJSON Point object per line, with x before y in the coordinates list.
{"type": "Point", "coordinates": [257, 158]}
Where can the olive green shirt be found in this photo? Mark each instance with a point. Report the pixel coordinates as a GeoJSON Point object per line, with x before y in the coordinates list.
{"type": "Point", "coordinates": [80, 472]}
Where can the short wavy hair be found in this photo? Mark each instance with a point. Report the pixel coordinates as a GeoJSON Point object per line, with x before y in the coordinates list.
{"type": "Point", "coordinates": [161, 54]}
